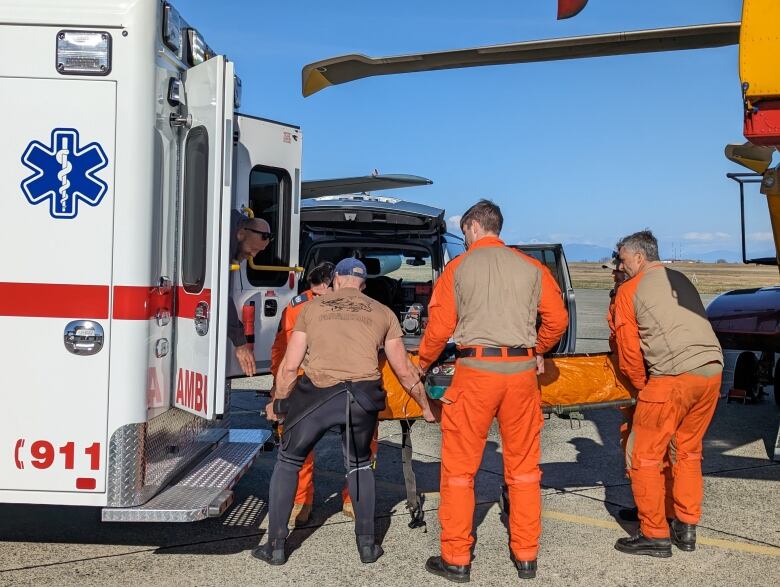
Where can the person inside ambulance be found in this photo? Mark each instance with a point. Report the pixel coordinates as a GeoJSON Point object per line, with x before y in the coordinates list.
{"type": "Point", "coordinates": [667, 348]}
{"type": "Point", "coordinates": [319, 280]}
{"type": "Point", "coordinates": [488, 300]}
{"type": "Point", "coordinates": [337, 338]}
{"type": "Point", "coordinates": [248, 237]}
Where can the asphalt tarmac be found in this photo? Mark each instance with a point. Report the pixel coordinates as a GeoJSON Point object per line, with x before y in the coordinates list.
{"type": "Point", "coordinates": [583, 487]}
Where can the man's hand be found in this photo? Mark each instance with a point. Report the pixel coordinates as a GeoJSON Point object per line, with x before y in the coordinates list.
{"type": "Point", "coordinates": [246, 360]}
{"type": "Point", "coordinates": [539, 364]}
{"type": "Point", "coordinates": [418, 394]}
{"type": "Point", "coordinates": [270, 415]}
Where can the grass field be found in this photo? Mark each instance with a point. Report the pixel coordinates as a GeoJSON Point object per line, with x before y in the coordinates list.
{"type": "Point", "coordinates": [707, 277]}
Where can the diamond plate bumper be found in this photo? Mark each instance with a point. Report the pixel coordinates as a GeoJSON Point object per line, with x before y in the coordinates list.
{"type": "Point", "coordinates": [206, 490]}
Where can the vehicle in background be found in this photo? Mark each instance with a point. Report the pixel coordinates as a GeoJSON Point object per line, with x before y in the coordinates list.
{"type": "Point", "coordinates": [405, 246]}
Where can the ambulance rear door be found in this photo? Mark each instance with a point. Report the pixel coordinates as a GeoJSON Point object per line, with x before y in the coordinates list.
{"type": "Point", "coordinates": [206, 124]}
{"type": "Point", "coordinates": [267, 181]}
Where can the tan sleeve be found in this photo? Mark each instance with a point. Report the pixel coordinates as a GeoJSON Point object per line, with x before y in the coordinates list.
{"type": "Point", "coordinates": [394, 327]}
{"type": "Point", "coordinates": [302, 321]}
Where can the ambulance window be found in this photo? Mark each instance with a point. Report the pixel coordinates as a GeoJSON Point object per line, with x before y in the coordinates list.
{"type": "Point", "coordinates": [270, 198]}
{"type": "Point", "coordinates": [196, 192]}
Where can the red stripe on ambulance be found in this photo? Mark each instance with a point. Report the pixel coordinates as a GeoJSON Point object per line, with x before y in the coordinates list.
{"type": "Point", "coordinates": [186, 303]}
{"type": "Point", "coordinates": [54, 300]}
{"type": "Point", "coordinates": [132, 302]}
{"type": "Point", "coordinates": [191, 390]}
{"type": "Point", "coordinates": [72, 300]}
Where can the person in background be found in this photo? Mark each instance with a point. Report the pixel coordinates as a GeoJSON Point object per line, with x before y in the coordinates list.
{"type": "Point", "coordinates": [319, 280]}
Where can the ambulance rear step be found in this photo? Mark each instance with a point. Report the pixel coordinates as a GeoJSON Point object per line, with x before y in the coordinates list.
{"type": "Point", "coordinates": [206, 490]}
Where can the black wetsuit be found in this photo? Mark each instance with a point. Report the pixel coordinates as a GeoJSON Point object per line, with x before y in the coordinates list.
{"type": "Point", "coordinates": [353, 407]}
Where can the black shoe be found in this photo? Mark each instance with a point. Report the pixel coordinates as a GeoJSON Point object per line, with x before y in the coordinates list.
{"type": "Point", "coordinates": [368, 550]}
{"type": "Point", "coordinates": [454, 573]}
{"type": "Point", "coordinates": [526, 569]}
{"type": "Point", "coordinates": [272, 552]}
{"type": "Point", "coordinates": [683, 535]}
{"type": "Point", "coordinates": [639, 544]}
{"type": "Point", "coordinates": [629, 514]}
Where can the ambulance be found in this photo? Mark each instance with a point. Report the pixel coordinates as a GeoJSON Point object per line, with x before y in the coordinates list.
{"type": "Point", "coordinates": [122, 156]}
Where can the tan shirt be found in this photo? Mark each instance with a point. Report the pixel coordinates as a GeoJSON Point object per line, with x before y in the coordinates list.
{"type": "Point", "coordinates": [492, 296]}
{"type": "Point", "coordinates": [344, 332]}
{"type": "Point", "coordinates": [661, 324]}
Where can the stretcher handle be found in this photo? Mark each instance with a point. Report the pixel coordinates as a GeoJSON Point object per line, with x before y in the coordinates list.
{"type": "Point", "coordinates": [567, 408]}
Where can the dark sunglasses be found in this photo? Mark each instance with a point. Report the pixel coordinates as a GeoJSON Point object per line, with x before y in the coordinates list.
{"type": "Point", "coordinates": [266, 236]}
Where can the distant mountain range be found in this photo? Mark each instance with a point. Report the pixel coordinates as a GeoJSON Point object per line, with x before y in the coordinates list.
{"type": "Point", "coordinates": [594, 253]}
{"type": "Point", "coordinates": [578, 252]}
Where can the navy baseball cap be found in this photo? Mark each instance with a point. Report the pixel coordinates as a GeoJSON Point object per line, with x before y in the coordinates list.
{"type": "Point", "coordinates": [351, 267]}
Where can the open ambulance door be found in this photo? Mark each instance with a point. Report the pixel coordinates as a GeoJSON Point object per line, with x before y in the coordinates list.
{"type": "Point", "coordinates": [553, 258]}
{"type": "Point", "coordinates": [204, 225]}
{"type": "Point", "coordinates": [267, 185]}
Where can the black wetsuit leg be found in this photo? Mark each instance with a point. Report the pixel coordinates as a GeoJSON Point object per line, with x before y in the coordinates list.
{"type": "Point", "coordinates": [297, 443]}
{"type": "Point", "coordinates": [360, 475]}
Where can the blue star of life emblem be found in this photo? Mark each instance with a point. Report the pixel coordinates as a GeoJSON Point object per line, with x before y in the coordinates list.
{"type": "Point", "coordinates": [64, 173]}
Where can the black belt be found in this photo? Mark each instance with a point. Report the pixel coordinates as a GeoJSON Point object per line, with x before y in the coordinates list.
{"type": "Point", "coordinates": [486, 351]}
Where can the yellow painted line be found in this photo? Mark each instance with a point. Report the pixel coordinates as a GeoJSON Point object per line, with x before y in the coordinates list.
{"type": "Point", "coordinates": [741, 546]}
{"type": "Point", "coordinates": [716, 542]}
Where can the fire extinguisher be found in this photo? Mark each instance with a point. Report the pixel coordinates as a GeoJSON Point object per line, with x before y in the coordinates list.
{"type": "Point", "coordinates": [248, 317]}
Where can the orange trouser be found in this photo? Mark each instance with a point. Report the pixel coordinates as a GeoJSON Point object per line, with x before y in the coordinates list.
{"type": "Point", "coordinates": [672, 415]}
{"type": "Point", "coordinates": [305, 492]}
{"type": "Point", "coordinates": [625, 431]}
{"type": "Point", "coordinates": [477, 397]}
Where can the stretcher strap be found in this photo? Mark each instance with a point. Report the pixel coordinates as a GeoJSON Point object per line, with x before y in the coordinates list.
{"type": "Point", "coordinates": [413, 499]}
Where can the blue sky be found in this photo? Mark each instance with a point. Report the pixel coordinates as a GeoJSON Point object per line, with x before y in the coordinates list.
{"type": "Point", "coordinates": [578, 151]}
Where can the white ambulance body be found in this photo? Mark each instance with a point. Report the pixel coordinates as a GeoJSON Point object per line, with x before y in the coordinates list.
{"type": "Point", "coordinates": [120, 161]}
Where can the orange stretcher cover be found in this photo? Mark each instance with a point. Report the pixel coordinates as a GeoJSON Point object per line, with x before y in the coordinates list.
{"type": "Point", "coordinates": [567, 380]}
{"type": "Point", "coordinates": [400, 405]}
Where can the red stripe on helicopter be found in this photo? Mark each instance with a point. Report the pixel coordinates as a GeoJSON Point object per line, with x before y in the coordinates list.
{"type": "Point", "coordinates": [54, 300]}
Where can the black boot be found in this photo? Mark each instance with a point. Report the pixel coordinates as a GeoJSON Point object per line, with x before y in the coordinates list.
{"type": "Point", "coordinates": [272, 552]}
{"type": "Point", "coordinates": [526, 569]}
{"type": "Point", "coordinates": [639, 544]}
{"type": "Point", "coordinates": [683, 535]}
{"type": "Point", "coordinates": [368, 549]}
{"type": "Point", "coordinates": [454, 573]}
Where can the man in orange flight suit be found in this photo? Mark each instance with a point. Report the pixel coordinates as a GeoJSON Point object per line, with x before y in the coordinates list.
{"type": "Point", "coordinates": [619, 276]}
{"type": "Point", "coordinates": [668, 350]}
{"type": "Point", "coordinates": [319, 280]}
{"type": "Point", "coordinates": [488, 300]}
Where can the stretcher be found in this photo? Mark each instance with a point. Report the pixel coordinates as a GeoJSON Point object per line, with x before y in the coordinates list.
{"type": "Point", "coordinates": [582, 381]}
{"type": "Point", "coordinates": [570, 384]}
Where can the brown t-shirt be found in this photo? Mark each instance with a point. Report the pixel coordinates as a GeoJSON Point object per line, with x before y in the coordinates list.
{"type": "Point", "coordinates": [344, 332]}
